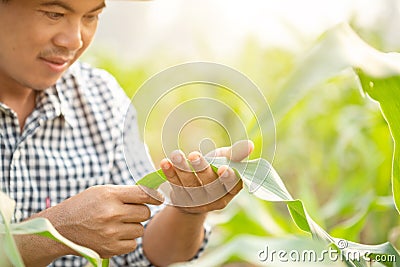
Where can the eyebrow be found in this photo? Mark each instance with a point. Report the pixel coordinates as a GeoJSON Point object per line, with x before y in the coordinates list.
{"type": "Point", "coordinates": [68, 7]}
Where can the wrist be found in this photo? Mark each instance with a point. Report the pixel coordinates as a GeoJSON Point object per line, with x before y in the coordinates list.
{"type": "Point", "coordinates": [187, 213]}
{"type": "Point", "coordinates": [38, 250]}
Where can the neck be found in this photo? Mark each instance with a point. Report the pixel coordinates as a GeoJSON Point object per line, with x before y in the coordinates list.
{"type": "Point", "coordinates": [21, 100]}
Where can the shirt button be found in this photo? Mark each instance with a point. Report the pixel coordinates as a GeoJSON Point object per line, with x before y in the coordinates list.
{"type": "Point", "coordinates": [18, 215]}
{"type": "Point", "coordinates": [16, 155]}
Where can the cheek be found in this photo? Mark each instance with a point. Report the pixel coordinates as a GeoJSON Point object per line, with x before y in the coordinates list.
{"type": "Point", "coordinates": [88, 34]}
{"type": "Point", "coordinates": [87, 37]}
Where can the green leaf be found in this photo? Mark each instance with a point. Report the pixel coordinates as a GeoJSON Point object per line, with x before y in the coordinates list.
{"type": "Point", "coordinates": [43, 227]}
{"type": "Point", "coordinates": [7, 243]}
{"type": "Point", "coordinates": [153, 180]}
{"type": "Point", "coordinates": [379, 73]}
{"type": "Point", "coordinates": [259, 176]}
{"type": "Point", "coordinates": [338, 49]}
{"type": "Point", "coordinates": [264, 182]}
{"type": "Point", "coordinates": [296, 210]}
{"type": "Point", "coordinates": [7, 206]}
{"type": "Point", "coordinates": [386, 91]}
{"type": "Point", "coordinates": [38, 226]}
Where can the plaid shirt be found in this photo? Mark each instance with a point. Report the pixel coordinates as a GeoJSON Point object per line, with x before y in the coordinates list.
{"type": "Point", "coordinates": [71, 141]}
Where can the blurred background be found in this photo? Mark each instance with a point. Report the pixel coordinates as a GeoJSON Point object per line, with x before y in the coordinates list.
{"type": "Point", "coordinates": [332, 149]}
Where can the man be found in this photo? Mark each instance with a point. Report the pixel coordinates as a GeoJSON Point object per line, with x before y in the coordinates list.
{"type": "Point", "coordinates": [61, 148]}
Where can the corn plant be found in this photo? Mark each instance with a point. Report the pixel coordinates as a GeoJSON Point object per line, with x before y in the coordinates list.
{"type": "Point", "coordinates": [37, 226]}
{"type": "Point", "coordinates": [337, 50]}
{"type": "Point", "coordinates": [379, 74]}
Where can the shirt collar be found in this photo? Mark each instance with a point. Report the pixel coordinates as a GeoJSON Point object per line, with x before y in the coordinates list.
{"type": "Point", "coordinates": [63, 89]}
{"type": "Point", "coordinates": [58, 99]}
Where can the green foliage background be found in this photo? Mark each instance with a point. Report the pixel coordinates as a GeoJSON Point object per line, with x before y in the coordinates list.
{"type": "Point", "coordinates": [333, 150]}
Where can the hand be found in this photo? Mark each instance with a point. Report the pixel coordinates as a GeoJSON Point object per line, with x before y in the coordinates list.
{"type": "Point", "coordinates": [195, 187]}
{"type": "Point", "coordinates": [103, 218]}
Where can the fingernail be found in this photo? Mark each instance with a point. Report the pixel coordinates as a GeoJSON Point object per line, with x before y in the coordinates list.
{"type": "Point", "coordinates": [177, 158]}
{"type": "Point", "coordinates": [225, 174]}
{"type": "Point", "coordinates": [166, 166]}
{"type": "Point", "coordinates": [195, 161]}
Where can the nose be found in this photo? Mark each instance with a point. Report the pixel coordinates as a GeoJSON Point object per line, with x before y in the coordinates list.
{"type": "Point", "coordinates": [70, 36]}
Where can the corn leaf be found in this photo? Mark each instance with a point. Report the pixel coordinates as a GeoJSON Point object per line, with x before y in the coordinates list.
{"type": "Point", "coordinates": [379, 74]}
{"type": "Point", "coordinates": [43, 227]}
{"type": "Point", "coordinates": [153, 180]}
{"type": "Point", "coordinates": [339, 49]}
{"type": "Point", "coordinates": [263, 181]}
{"type": "Point", "coordinates": [38, 226]}
{"type": "Point", "coordinates": [7, 243]}
{"type": "Point", "coordinates": [386, 92]}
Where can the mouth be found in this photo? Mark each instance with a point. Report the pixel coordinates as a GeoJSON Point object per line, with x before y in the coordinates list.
{"type": "Point", "coordinates": [56, 64]}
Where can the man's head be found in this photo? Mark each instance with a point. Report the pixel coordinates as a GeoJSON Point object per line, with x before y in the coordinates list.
{"type": "Point", "coordinates": [40, 39]}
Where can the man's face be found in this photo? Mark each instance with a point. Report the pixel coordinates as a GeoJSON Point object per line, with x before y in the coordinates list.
{"type": "Point", "coordinates": [40, 39]}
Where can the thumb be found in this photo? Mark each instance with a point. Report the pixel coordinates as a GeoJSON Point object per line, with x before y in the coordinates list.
{"type": "Point", "coordinates": [237, 152]}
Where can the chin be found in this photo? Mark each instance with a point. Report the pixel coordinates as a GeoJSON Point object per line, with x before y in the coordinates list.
{"type": "Point", "coordinates": [42, 86]}
{"type": "Point", "coordinates": [45, 84]}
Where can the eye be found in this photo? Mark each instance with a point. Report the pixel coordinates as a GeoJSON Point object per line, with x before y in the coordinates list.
{"type": "Point", "coordinates": [53, 15]}
{"type": "Point", "coordinates": [91, 18]}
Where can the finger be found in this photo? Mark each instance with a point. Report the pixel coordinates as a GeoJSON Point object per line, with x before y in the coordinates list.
{"type": "Point", "coordinates": [178, 159]}
{"type": "Point", "coordinates": [126, 246]}
{"type": "Point", "coordinates": [237, 152]}
{"type": "Point", "coordinates": [177, 193]}
{"type": "Point", "coordinates": [130, 231]}
{"type": "Point", "coordinates": [219, 152]}
{"type": "Point", "coordinates": [192, 183]}
{"type": "Point", "coordinates": [133, 194]}
{"type": "Point", "coordinates": [117, 248]}
{"type": "Point", "coordinates": [170, 172]}
{"type": "Point", "coordinates": [209, 178]}
{"type": "Point", "coordinates": [153, 193]}
{"type": "Point", "coordinates": [183, 170]}
{"type": "Point", "coordinates": [135, 213]}
{"type": "Point", "coordinates": [202, 168]}
{"type": "Point", "coordinates": [241, 150]}
{"type": "Point", "coordinates": [229, 180]}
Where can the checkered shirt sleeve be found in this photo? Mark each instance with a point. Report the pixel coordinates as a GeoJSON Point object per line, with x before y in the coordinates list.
{"type": "Point", "coordinates": [72, 141]}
